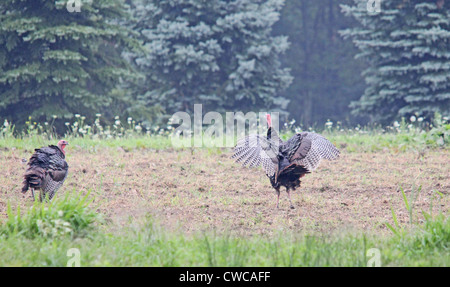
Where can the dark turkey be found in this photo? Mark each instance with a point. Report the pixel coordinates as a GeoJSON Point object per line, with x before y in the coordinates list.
{"type": "Point", "coordinates": [47, 170]}
{"type": "Point", "coordinates": [284, 162]}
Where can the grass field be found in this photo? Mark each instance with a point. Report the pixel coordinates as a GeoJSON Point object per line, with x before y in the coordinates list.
{"type": "Point", "coordinates": [139, 202]}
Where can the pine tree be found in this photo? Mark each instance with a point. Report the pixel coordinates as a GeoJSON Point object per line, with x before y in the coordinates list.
{"type": "Point", "coordinates": [56, 61]}
{"type": "Point", "coordinates": [218, 53]}
{"type": "Point", "coordinates": [408, 47]}
{"type": "Point", "coordinates": [327, 78]}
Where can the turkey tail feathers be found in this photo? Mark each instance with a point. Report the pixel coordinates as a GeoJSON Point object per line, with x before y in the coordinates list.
{"type": "Point", "coordinates": [33, 178]}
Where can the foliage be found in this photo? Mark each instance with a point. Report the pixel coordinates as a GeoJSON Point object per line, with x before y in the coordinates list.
{"type": "Point", "coordinates": [433, 234]}
{"type": "Point", "coordinates": [56, 63]}
{"type": "Point", "coordinates": [218, 53]}
{"type": "Point", "coordinates": [407, 45]}
{"type": "Point", "coordinates": [70, 216]}
{"type": "Point", "coordinates": [147, 59]}
{"type": "Point", "coordinates": [412, 135]}
{"type": "Point", "coordinates": [149, 245]}
{"type": "Point", "coordinates": [326, 75]}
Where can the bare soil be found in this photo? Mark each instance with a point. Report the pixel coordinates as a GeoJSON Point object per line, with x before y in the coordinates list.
{"type": "Point", "coordinates": [199, 189]}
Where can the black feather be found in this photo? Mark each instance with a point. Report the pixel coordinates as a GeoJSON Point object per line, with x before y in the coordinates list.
{"type": "Point", "coordinates": [47, 171]}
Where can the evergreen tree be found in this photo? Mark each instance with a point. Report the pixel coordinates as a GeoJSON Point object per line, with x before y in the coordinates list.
{"type": "Point", "coordinates": [219, 53]}
{"type": "Point", "coordinates": [327, 78]}
{"type": "Point", "coordinates": [57, 61]}
{"type": "Point", "coordinates": [408, 47]}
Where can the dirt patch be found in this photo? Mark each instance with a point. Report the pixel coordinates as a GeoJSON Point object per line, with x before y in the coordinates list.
{"type": "Point", "coordinates": [203, 190]}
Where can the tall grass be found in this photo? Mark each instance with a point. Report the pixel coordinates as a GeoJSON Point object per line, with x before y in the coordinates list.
{"type": "Point", "coordinates": [148, 245]}
{"type": "Point", "coordinates": [42, 236]}
{"type": "Point", "coordinates": [69, 216]}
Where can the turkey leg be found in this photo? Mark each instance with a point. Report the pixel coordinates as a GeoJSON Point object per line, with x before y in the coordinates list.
{"type": "Point", "coordinates": [278, 195]}
{"type": "Point", "coordinates": [289, 196]}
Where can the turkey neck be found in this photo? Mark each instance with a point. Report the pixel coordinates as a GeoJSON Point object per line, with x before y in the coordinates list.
{"type": "Point", "coordinates": [61, 148]}
{"type": "Point", "coordinates": [273, 136]}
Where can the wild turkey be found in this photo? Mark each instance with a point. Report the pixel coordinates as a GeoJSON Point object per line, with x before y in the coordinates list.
{"type": "Point", "coordinates": [284, 162]}
{"type": "Point", "coordinates": [47, 170]}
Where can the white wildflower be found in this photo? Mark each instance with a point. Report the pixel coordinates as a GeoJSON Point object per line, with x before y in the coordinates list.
{"type": "Point", "coordinates": [412, 119]}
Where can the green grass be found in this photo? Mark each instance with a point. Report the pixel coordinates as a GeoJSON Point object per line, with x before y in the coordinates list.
{"type": "Point", "coordinates": [143, 141]}
{"type": "Point", "coordinates": [147, 244]}
{"type": "Point", "coordinates": [43, 235]}
{"type": "Point", "coordinates": [67, 216]}
{"type": "Point", "coordinates": [345, 142]}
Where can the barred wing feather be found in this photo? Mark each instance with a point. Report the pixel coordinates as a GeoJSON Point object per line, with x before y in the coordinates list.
{"type": "Point", "coordinates": [256, 150]}
{"type": "Point", "coordinates": [321, 148]}
{"type": "Point", "coordinates": [52, 186]}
